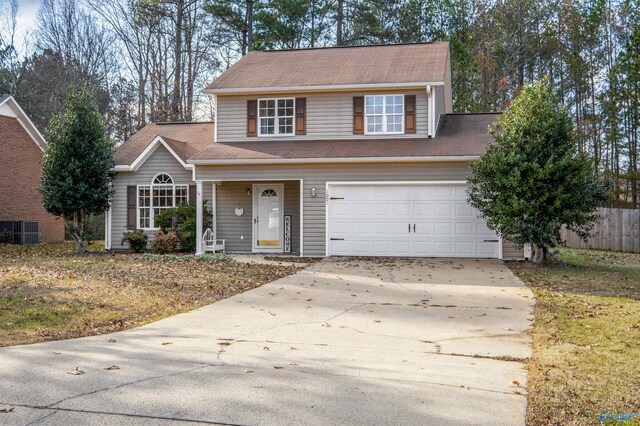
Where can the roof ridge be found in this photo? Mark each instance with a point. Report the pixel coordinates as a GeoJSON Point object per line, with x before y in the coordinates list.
{"type": "Point", "coordinates": [164, 123]}
{"type": "Point", "coordinates": [350, 46]}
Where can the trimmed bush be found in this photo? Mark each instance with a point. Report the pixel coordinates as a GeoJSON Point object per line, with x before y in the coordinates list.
{"type": "Point", "coordinates": [137, 240]}
{"type": "Point", "coordinates": [165, 242]}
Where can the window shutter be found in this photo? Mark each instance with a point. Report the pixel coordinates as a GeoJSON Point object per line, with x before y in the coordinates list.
{"type": "Point", "coordinates": [358, 115]}
{"type": "Point", "coordinates": [410, 113]}
{"type": "Point", "coordinates": [301, 116]}
{"type": "Point", "coordinates": [131, 207]}
{"type": "Point", "coordinates": [252, 117]}
{"type": "Point", "coordinates": [193, 195]}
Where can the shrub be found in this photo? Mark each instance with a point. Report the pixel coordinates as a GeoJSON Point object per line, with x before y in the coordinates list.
{"type": "Point", "coordinates": [165, 242]}
{"type": "Point", "coordinates": [182, 221]}
{"type": "Point", "coordinates": [137, 240]}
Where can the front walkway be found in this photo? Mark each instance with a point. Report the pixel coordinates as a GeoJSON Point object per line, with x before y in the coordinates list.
{"type": "Point", "coordinates": [424, 341]}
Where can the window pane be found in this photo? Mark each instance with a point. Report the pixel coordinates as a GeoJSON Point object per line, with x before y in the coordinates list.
{"type": "Point", "coordinates": [285, 126]}
{"type": "Point", "coordinates": [285, 107]}
{"type": "Point", "coordinates": [267, 108]}
{"type": "Point", "coordinates": [182, 194]}
{"type": "Point", "coordinates": [374, 124]}
{"type": "Point", "coordinates": [144, 218]}
{"type": "Point", "coordinates": [267, 126]}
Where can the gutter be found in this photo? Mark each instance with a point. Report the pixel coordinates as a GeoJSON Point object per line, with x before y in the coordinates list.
{"type": "Point", "coordinates": [430, 159]}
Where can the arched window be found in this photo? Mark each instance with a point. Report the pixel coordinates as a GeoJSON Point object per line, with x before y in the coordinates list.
{"type": "Point", "coordinates": [162, 194]}
{"type": "Point", "coordinates": [269, 193]}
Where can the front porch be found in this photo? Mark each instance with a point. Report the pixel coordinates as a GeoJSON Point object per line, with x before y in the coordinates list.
{"type": "Point", "coordinates": [252, 216]}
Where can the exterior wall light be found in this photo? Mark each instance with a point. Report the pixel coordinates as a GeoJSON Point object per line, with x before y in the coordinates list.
{"type": "Point", "coordinates": [249, 191]}
{"type": "Point", "coordinates": [314, 192]}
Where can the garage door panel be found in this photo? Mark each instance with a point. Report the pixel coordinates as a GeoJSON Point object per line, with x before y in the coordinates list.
{"type": "Point", "coordinates": [464, 229]}
{"type": "Point", "coordinates": [407, 220]}
{"type": "Point", "coordinates": [442, 210]}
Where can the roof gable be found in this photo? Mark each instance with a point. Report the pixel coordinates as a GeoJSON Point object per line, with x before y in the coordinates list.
{"type": "Point", "coordinates": [183, 140]}
{"type": "Point", "coordinates": [349, 66]}
{"type": "Point", "coordinates": [10, 108]}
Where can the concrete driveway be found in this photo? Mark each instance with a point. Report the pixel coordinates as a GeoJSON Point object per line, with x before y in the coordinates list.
{"type": "Point", "coordinates": [352, 341]}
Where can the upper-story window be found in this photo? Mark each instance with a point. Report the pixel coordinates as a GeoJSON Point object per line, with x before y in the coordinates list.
{"type": "Point", "coordinates": [384, 114]}
{"type": "Point", "coordinates": [276, 117]}
{"type": "Point", "coordinates": [162, 194]}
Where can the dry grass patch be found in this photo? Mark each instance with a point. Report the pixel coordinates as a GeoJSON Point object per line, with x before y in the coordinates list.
{"type": "Point", "coordinates": [586, 336]}
{"type": "Point", "coordinates": [48, 292]}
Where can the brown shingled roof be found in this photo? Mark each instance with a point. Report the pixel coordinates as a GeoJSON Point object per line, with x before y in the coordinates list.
{"type": "Point", "coordinates": [349, 65]}
{"type": "Point", "coordinates": [458, 135]}
{"type": "Point", "coordinates": [186, 139]}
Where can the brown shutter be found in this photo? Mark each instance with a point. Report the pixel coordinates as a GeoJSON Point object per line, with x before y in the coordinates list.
{"type": "Point", "coordinates": [131, 207]}
{"type": "Point", "coordinates": [301, 116]}
{"type": "Point", "coordinates": [193, 195]}
{"type": "Point", "coordinates": [358, 115]}
{"type": "Point", "coordinates": [252, 117]}
{"type": "Point", "coordinates": [410, 113]}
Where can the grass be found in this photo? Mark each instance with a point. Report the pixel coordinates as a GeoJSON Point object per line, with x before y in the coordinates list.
{"type": "Point", "coordinates": [586, 337]}
{"type": "Point", "coordinates": [48, 292]}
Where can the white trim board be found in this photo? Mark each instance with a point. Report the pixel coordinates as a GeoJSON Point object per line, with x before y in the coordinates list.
{"type": "Point", "coordinates": [25, 122]}
{"type": "Point", "coordinates": [148, 151]}
{"type": "Point", "coordinates": [321, 88]}
{"type": "Point", "coordinates": [427, 159]}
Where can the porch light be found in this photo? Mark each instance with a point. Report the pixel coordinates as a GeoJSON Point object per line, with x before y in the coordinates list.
{"type": "Point", "coordinates": [249, 191]}
{"type": "Point", "coordinates": [314, 192]}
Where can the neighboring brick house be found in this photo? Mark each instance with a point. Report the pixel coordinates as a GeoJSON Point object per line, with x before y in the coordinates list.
{"type": "Point", "coordinates": [21, 150]}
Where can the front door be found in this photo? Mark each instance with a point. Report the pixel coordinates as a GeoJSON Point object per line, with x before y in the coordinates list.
{"type": "Point", "coordinates": [267, 217]}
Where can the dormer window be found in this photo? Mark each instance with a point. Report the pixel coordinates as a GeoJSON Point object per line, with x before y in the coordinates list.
{"type": "Point", "coordinates": [276, 116]}
{"type": "Point", "coordinates": [384, 114]}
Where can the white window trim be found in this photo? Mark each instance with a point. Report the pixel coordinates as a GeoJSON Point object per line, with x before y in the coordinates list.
{"type": "Point", "coordinates": [173, 185]}
{"type": "Point", "coordinates": [276, 126]}
{"type": "Point", "coordinates": [384, 115]}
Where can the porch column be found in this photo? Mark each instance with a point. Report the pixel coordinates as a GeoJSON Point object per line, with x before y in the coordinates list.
{"type": "Point", "coordinates": [199, 217]}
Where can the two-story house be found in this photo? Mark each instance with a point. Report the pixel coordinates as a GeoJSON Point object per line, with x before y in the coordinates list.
{"type": "Point", "coordinates": [343, 151]}
{"type": "Point", "coordinates": [23, 219]}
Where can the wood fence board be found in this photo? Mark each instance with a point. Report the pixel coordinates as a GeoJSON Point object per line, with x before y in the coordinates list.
{"type": "Point", "coordinates": [616, 229]}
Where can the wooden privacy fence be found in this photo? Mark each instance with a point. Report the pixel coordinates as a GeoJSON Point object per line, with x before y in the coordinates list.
{"type": "Point", "coordinates": [617, 230]}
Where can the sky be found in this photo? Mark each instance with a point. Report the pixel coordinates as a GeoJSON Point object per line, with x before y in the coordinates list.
{"type": "Point", "coordinates": [27, 10]}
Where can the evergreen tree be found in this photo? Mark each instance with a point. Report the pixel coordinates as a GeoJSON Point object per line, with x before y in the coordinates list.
{"type": "Point", "coordinates": [532, 180]}
{"type": "Point", "coordinates": [76, 172]}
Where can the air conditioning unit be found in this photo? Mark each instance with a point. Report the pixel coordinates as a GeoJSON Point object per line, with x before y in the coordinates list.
{"type": "Point", "coordinates": [19, 232]}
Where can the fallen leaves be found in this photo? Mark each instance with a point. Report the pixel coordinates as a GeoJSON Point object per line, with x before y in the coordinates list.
{"type": "Point", "coordinates": [76, 372]}
{"type": "Point", "coordinates": [113, 367]}
{"type": "Point", "coordinates": [110, 291]}
{"type": "Point", "coordinates": [6, 410]}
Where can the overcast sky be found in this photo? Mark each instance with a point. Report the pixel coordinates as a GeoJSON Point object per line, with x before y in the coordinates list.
{"type": "Point", "coordinates": [27, 10]}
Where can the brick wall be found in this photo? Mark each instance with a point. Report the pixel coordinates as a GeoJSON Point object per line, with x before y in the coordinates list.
{"type": "Point", "coordinates": [20, 173]}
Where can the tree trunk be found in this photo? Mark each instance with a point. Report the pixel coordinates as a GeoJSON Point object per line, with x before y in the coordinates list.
{"type": "Point", "coordinates": [250, 25]}
{"type": "Point", "coordinates": [339, 20]}
{"type": "Point", "coordinates": [539, 254]}
{"type": "Point", "coordinates": [76, 229]}
{"type": "Point", "coordinates": [177, 68]}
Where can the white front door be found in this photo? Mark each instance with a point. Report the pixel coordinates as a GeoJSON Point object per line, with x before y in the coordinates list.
{"type": "Point", "coordinates": [430, 220]}
{"type": "Point", "coordinates": [268, 206]}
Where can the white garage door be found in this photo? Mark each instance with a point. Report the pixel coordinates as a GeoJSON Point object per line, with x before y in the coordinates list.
{"type": "Point", "coordinates": [430, 220]}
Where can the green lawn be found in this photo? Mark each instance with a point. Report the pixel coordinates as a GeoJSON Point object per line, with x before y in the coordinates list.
{"type": "Point", "coordinates": [586, 336]}
{"type": "Point", "coordinates": [47, 292]}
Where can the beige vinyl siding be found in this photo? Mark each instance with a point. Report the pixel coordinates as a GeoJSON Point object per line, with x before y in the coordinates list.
{"type": "Point", "coordinates": [161, 161]}
{"type": "Point", "coordinates": [329, 116]}
{"type": "Point", "coordinates": [439, 104]}
{"type": "Point", "coordinates": [511, 252]}
{"type": "Point", "coordinates": [230, 227]}
{"type": "Point", "coordinates": [317, 176]}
